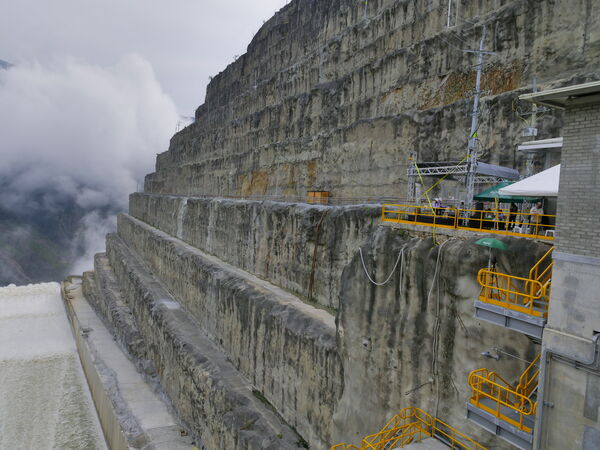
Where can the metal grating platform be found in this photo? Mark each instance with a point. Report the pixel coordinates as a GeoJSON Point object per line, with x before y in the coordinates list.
{"type": "Point", "coordinates": [499, 427]}
{"type": "Point", "coordinates": [523, 323]}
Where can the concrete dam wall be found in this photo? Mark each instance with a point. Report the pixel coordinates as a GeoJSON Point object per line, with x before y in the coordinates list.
{"type": "Point", "coordinates": [258, 320]}
{"type": "Point", "coordinates": [247, 362]}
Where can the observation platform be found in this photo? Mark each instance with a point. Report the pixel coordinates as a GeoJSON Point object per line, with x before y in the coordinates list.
{"type": "Point", "coordinates": [500, 427]}
{"type": "Point", "coordinates": [498, 221]}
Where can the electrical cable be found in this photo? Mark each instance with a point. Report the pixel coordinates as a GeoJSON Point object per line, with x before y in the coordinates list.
{"type": "Point", "coordinates": [400, 256]}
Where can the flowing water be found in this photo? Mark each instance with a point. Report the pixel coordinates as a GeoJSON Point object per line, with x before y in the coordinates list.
{"type": "Point", "coordinates": [44, 399]}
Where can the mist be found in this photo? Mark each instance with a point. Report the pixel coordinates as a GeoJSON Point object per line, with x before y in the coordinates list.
{"type": "Point", "coordinates": [77, 138]}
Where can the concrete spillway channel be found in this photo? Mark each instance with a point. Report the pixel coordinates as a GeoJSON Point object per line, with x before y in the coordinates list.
{"type": "Point", "coordinates": [72, 387]}
{"type": "Point", "coordinates": [45, 402]}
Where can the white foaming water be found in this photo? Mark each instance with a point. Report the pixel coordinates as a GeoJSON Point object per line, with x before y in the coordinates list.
{"type": "Point", "coordinates": [44, 399]}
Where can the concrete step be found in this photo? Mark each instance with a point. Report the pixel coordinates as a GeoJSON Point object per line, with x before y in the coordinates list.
{"type": "Point", "coordinates": [209, 393]}
{"type": "Point", "coordinates": [101, 290]}
{"type": "Point", "coordinates": [286, 348]}
{"type": "Point", "coordinates": [300, 247]}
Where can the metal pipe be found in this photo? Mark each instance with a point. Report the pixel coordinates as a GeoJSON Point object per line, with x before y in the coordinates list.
{"type": "Point", "coordinates": [593, 361]}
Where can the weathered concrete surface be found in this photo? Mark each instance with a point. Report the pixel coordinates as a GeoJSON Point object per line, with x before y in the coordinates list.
{"type": "Point", "coordinates": [330, 96]}
{"type": "Point", "coordinates": [102, 290]}
{"type": "Point", "coordinates": [302, 248]}
{"type": "Point", "coordinates": [414, 341]}
{"type": "Point", "coordinates": [286, 348]}
{"type": "Point", "coordinates": [205, 388]}
{"type": "Point", "coordinates": [131, 413]}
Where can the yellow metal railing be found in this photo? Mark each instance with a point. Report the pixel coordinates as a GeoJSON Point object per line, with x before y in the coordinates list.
{"type": "Point", "coordinates": [529, 378]}
{"type": "Point", "coordinates": [526, 295]}
{"type": "Point", "coordinates": [542, 270]}
{"type": "Point", "coordinates": [506, 402]}
{"type": "Point", "coordinates": [410, 425]}
{"type": "Point", "coordinates": [504, 290]}
{"type": "Point", "coordinates": [498, 221]}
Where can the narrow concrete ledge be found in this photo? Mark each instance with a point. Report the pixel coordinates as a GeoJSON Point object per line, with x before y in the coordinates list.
{"type": "Point", "coordinates": [131, 414]}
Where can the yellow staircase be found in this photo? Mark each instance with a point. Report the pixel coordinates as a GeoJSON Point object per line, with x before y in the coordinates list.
{"type": "Point", "coordinates": [413, 425]}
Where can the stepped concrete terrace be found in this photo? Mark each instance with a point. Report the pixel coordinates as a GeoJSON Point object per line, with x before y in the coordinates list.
{"type": "Point", "coordinates": [244, 353]}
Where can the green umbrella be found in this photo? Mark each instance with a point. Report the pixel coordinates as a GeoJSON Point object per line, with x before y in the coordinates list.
{"type": "Point", "coordinates": [491, 243]}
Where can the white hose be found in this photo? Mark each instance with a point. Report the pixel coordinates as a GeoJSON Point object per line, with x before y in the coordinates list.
{"type": "Point", "coordinates": [400, 256]}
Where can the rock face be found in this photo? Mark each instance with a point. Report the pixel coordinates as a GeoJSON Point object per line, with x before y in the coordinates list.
{"type": "Point", "coordinates": [256, 318]}
{"type": "Point", "coordinates": [334, 95]}
{"type": "Point", "coordinates": [247, 364]}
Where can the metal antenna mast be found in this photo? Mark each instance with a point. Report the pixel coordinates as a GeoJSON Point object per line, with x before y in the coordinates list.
{"type": "Point", "coordinates": [472, 146]}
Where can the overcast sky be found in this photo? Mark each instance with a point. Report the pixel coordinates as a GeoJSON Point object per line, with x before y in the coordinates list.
{"type": "Point", "coordinates": [185, 41]}
{"type": "Point", "coordinates": [96, 91]}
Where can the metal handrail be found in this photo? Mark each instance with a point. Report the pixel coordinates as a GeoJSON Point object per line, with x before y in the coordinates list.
{"type": "Point", "coordinates": [405, 426]}
{"type": "Point", "coordinates": [534, 271]}
{"type": "Point", "coordinates": [484, 385]}
{"type": "Point", "coordinates": [500, 289]}
{"type": "Point", "coordinates": [497, 221]}
{"type": "Point", "coordinates": [529, 378]}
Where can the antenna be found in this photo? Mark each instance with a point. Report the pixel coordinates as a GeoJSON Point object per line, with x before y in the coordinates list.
{"type": "Point", "coordinates": [472, 145]}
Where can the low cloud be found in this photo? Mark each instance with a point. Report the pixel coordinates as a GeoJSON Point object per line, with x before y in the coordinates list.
{"type": "Point", "coordinates": [80, 133]}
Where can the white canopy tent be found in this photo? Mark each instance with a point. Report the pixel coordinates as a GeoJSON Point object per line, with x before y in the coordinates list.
{"type": "Point", "coordinates": [543, 184]}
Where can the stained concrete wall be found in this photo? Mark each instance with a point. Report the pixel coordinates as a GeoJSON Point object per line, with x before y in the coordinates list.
{"type": "Point", "coordinates": [208, 393]}
{"type": "Point", "coordinates": [411, 342]}
{"type": "Point", "coordinates": [286, 348]}
{"type": "Point", "coordinates": [302, 248]}
{"type": "Point", "coordinates": [414, 341]}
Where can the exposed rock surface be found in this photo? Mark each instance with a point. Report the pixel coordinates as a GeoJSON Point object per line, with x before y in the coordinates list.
{"type": "Point", "coordinates": [333, 96]}
{"type": "Point", "coordinates": [414, 341]}
{"type": "Point", "coordinates": [208, 393]}
{"type": "Point", "coordinates": [285, 347]}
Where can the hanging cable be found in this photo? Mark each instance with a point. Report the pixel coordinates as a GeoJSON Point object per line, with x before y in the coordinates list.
{"type": "Point", "coordinates": [400, 256]}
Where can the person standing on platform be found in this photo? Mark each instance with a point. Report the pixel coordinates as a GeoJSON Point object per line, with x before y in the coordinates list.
{"type": "Point", "coordinates": [513, 216]}
{"type": "Point", "coordinates": [535, 218]}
